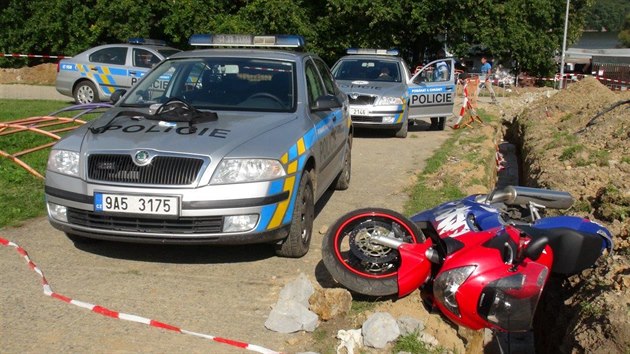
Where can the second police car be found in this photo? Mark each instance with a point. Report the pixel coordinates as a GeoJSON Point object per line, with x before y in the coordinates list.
{"type": "Point", "coordinates": [384, 95]}
{"type": "Point", "coordinates": [94, 74]}
{"type": "Point", "coordinates": [223, 145]}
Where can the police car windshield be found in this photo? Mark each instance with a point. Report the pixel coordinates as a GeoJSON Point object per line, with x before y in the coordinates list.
{"type": "Point", "coordinates": [217, 83]}
{"type": "Point", "coordinates": [367, 70]}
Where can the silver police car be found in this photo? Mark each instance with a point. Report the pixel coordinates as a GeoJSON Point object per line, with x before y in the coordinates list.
{"type": "Point", "coordinates": [384, 95]}
{"type": "Point", "coordinates": [213, 146]}
{"type": "Point", "coordinates": [96, 73]}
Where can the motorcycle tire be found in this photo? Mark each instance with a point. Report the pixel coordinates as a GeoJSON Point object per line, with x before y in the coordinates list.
{"type": "Point", "coordinates": [359, 265]}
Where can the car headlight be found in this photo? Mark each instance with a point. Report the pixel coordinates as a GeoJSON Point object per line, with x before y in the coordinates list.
{"type": "Point", "coordinates": [247, 170]}
{"type": "Point", "coordinates": [63, 161]}
{"type": "Point", "coordinates": [446, 285]}
{"type": "Point", "coordinates": [388, 101]}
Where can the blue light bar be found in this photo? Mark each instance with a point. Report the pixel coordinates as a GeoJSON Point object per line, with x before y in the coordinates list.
{"type": "Point", "coordinates": [146, 41]}
{"type": "Point", "coordinates": [246, 40]}
{"type": "Point", "coordinates": [392, 52]}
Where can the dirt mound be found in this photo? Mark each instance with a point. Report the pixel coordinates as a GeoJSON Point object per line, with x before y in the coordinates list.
{"type": "Point", "coordinates": [560, 152]}
{"type": "Point", "coordinates": [43, 74]}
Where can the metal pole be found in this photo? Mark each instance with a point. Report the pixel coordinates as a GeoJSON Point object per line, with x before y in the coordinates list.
{"type": "Point", "coordinates": [564, 45]}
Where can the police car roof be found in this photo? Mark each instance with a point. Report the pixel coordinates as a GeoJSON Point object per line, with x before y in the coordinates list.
{"type": "Point", "coordinates": [242, 53]}
{"type": "Point", "coordinates": [371, 57]}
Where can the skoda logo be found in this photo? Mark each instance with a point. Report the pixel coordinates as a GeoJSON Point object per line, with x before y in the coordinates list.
{"type": "Point", "coordinates": [142, 158]}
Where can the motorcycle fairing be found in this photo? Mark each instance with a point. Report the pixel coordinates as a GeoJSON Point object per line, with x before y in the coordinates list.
{"type": "Point", "coordinates": [579, 224]}
{"type": "Point", "coordinates": [573, 250]}
{"type": "Point", "coordinates": [415, 268]}
{"type": "Point", "coordinates": [455, 218]}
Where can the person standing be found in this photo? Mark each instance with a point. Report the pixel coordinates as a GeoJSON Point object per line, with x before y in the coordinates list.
{"type": "Point", "coordinates": [486, 77]}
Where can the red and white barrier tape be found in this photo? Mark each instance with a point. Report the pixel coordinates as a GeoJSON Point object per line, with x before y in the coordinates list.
{"type": "Point", "coordinates": [15, 55]}
{"type": "Point", "coordinates": [123, 316]}
{"type": "Point", "coordinates": [462, 111]}
{"type": "Point", "coordinates": [576, 76]}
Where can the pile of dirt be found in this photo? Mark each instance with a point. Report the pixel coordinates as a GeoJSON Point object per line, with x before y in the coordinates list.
{"type": "Point", "coordinates": [43, 74]}
{"type": "Point", "coordinates": [561, 150]}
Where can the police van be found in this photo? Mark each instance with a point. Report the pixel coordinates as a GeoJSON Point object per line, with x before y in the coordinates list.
{"type": "Point", "coordinates": [96, 73]}
{"type": "Point", "coordinates": [383, 94]}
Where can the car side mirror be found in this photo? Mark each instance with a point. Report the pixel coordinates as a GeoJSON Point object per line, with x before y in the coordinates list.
{"type": "Point", "coordinates": [116, 95]}
{"type": "Point", "coordinates": [327, 102]}
{"type": "Point", "coordinates": [536, 247]}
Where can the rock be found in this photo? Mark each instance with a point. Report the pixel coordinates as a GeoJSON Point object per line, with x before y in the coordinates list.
{"type": "Point", "coordinates": [350, 339]}
{"type": "Point", "coordinates": [379, 329]}
{"type": "Point", "coordinates": [408, 325]}
{"type": "Point", "coordinates": [299, 290]}
{"type": "Point", "coordinates": [330, 303]}
{"type": "Point", "coordinates": [428, 339]}
{"type": "Point", "coordinates": [291, 316]}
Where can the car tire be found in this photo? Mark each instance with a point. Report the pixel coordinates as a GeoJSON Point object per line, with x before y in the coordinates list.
{"type": "Point", "coordinates": [85, 92]}
{"type": "Point", "coordinates": [441, 123]}
{"type": "Point", "coordinates": [80, 239]}
{"type": "Point", "coordinates": [342, 182]}
{"type": "Point", "coordinates": [402, 132]}
{"type": "Point", "coordinates": [298, 242]}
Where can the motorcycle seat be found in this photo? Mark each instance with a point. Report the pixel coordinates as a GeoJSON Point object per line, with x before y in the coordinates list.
{"type": "Point", "coordinates": [573, 251]}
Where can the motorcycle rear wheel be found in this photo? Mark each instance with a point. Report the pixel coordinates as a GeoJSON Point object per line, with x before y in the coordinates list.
{"type": "Point", "coordinates": [363, 266]}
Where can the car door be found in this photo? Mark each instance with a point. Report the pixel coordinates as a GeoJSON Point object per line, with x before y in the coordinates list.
{"type": "Point", "coordinates": [107, 67]}
{"type": "Point", "coordinates": [341, 124]}
{"type": "Point", "coordinates": [432, 95]}
{"type": "Point", "coordinates": [142, 61]}
{"type": "Point", "coordinates": [326, 121]}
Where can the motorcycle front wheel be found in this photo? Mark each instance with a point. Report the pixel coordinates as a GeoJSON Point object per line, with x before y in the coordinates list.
{"type": "Point", "coordinates": [356, 261]}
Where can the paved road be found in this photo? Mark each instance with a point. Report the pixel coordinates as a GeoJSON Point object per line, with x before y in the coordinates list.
{"type": "Point", "coordinates": [221, 291]}
{"type": "Point", "coordinates": [32, 92]}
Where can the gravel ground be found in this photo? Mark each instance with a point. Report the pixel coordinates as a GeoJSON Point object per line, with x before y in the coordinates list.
{"type": "Point", "coordinates": [220, 291]}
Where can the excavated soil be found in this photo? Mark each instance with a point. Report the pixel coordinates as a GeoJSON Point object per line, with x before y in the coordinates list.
{"type": "Point", "coordinates": [43, 74]}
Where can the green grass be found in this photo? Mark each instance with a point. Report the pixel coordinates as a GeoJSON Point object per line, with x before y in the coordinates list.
{"type": "Point", "coordinates": [412, 344]}
{"type": "Point", "coordinates": [22, 194]}
{"type": "Point", "coordinates": [570, 152]}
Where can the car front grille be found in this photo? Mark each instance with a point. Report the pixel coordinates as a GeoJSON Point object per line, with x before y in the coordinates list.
{"type": "Point", "coordinates": [367, 119]}
{"type": "Point", "coordinates": [163, 170]}
{"type": "Point", "coordinates": [181, 225]}
{"type": "Point", "coordinates": [361, 99]}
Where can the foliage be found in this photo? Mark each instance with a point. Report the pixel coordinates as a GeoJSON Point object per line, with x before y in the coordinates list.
{"type": "Point", "coordinates": [624, 35]}
{"type": "Point", "coordinates": [526, 33]}
{"type": "Point", "coordinates": [608, 15]}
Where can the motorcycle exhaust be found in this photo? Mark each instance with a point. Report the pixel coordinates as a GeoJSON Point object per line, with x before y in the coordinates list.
{"type": "Point", "coordinates": [517, 195]}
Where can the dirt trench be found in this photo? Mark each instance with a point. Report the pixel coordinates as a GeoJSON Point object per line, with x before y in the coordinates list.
{"type": "Point", "coordinates": [578, 140]}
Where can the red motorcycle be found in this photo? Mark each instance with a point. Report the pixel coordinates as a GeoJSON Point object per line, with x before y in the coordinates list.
{"type": "Point", "coordinates": [483, 261]}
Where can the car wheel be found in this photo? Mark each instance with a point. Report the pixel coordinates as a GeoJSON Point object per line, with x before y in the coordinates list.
{"type": "Point", "coordinates": [80, 239]}
{"type": "Point", "coordinates": [299, 240]}
{"type": "Point", "coordinates": [441, 123]}
{"type": "Point", "coordinates": [402, 132]}
{"type": "Point", "coordinates": [85, 92]}
{"type": "Point", "coordinates": [342, 182]}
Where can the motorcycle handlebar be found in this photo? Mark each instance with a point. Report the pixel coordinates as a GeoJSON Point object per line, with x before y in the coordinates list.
{"type": "Point", "coordinates": [517, 195]}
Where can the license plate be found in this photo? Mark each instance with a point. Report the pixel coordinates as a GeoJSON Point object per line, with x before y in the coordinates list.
{"type": "Point", "coordinates": [358, 111]}
{"type": "Point", "coordinates": [136, 204]}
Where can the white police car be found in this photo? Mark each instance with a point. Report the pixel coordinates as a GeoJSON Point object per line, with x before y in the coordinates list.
{"type": "Point", "coordinates": [384, 95]}
{"type": "Point", "coordinates": [228, 145]}
{"type": "Point", "coordinates": [96, 73]}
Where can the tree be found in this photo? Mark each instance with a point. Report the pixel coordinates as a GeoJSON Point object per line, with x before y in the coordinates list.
{"type": "Point", "coordinates": [624, 35]}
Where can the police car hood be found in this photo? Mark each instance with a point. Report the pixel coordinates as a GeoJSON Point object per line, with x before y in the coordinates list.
{"type": "Point", "coordinates": [372, 88]}
{"type": "Point", "coordinates": [216, 138]}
